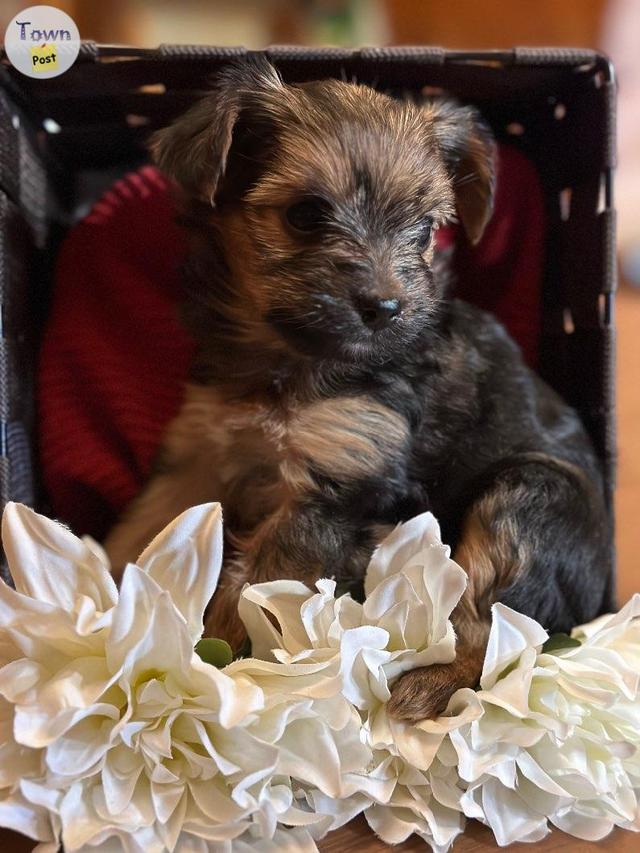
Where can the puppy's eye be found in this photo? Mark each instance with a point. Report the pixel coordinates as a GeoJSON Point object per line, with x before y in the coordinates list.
{"type": "Point", "coordinates": [308, 215]}
{"type": "Point", "coordinates": [425, 234]}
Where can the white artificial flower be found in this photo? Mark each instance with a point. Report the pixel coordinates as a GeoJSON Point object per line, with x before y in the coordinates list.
{"type": "Point", "coordinates": [558, 741]}
{"type": "Point", "coordinates": [114, 734]}
{"type": "Point", "coordinates": [411, 587]}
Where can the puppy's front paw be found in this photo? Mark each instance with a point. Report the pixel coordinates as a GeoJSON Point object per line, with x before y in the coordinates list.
{"type": "Point", "coordinates": [422, 694]}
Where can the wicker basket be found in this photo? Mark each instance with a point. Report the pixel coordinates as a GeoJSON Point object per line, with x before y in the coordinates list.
{"type": "Point", "coordinates": [63, 140]}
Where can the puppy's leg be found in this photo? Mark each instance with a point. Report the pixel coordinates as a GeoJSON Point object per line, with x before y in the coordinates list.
{"type": "Point", "coordinates": [303, 540]}
{"type": "Point", "coordinates": [538, 542]}
{"type": "Point", "coordinates": [187, 473]}
{"type": "Point", "coordinates": [167, 495]}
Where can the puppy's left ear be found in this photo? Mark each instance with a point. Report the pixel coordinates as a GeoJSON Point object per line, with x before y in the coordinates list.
{"type": "Point", "coordinates": [469, 151]}
{"type": "Point", "coordinates": [195, 150]}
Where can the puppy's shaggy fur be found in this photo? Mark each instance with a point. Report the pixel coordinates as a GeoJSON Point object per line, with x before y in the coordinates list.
{"type": "Point", "coordinates": [338, 390]}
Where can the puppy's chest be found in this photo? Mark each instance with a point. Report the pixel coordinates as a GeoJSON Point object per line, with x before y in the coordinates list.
{"type": "Point", "coordinates": [262, 454]}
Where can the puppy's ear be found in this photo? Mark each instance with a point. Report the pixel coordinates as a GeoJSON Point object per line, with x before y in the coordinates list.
{"type": "Point", "coordinates": [194, 150]}
{"type": "Point", "coordinates": [469, 151]}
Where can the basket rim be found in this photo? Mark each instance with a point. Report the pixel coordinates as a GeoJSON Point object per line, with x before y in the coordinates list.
{"type": "Point", "coordinates": [91, 51]}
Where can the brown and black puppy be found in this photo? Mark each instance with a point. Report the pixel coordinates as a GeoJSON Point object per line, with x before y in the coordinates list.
{"type": "Point", "coordinates": [337, 389]}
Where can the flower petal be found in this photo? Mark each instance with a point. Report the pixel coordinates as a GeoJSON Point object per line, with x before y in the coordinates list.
{"type": "Point", "coordinates": [148, 632]}
{"type": "Point", "coordinates": [284, 600]}
{"type": "Point", "coordinates": [50, 564]}
{"type": "Point", "coordinates": [295, 840]}
{"type": "Point", "coordinates": [511, 633]}
{"type": "Point", "coordinates": [400, 546]}
{"type": "Point", "coordinates": [185, 559]}
{"type": "Point", "coordinates": [32, 820]}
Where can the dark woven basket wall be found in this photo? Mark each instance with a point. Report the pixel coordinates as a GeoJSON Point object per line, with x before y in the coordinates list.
{"type": "Point", "coordinates": [63, 140]}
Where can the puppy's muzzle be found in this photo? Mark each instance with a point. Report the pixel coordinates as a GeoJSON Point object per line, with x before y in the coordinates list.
{"type": "Point", "coordinates": [376, 312]}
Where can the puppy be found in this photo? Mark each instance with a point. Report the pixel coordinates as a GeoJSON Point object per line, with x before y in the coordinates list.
{"type": "Point", "coordinates": [337, 389]}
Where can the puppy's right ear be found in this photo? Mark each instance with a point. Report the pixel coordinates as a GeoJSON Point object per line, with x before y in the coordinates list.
{"type": "Point", "coordinates": [469, 152]}
{"type": "Point", "coordinates": [194, 150]}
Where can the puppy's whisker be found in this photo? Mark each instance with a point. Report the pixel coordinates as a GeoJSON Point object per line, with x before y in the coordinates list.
{"type": "Point", "coordinates": [466, 179]}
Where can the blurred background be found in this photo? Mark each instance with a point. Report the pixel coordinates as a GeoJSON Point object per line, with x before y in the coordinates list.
{"type": "Point", "coordinates": [612, 26]}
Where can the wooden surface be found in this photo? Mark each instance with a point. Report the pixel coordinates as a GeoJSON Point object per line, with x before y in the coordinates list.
{"type": "Point", "coordinates": [357, 837]}
{"type": "Point", "coordinates": [628, 490]}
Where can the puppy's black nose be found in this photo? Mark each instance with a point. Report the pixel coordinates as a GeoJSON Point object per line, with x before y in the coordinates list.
{"type": "Point", "coordinates": [378, 313]}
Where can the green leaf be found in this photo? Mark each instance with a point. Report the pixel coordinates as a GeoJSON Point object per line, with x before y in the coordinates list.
{"type": "Point", "coordinates": [214, 651]}
{"type": "Point", "coordinates": [558, 642]}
